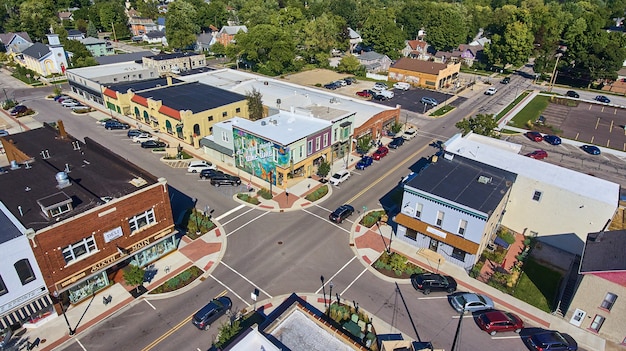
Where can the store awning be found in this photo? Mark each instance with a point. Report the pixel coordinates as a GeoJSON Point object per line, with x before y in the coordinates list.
{"type": "Point", "coordinates": [22, 314]}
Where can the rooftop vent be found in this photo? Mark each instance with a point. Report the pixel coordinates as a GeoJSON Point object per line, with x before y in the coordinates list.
{"type": "Point", "coordinates": [138, 182]}
{"type": "Point", "coordinates": [262, 123]}
{"type": "Point", "coordinates": [448, 156]}
{"type": "Point", "coordinates": [484, 179]}
{"type": "Point", "coordinates": [63, 180]}
{"type": "Point", "coordinates": [14, 165]}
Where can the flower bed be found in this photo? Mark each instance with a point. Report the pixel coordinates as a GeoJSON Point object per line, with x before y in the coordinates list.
{"type": "Point", "coordinates": [371, 218]}
{"type": "Point", "coordinates": [317, 193]}
{"type": "Point", "coordinates": [247, 198]}
{"type": "Point", "coordinates": [183, 279]}
{"type": "Point", "coordinates": [396, 266]}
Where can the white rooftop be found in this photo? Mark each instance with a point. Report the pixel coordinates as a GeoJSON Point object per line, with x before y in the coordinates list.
{"type": "Point", "coordinates": [283, 128]}
{"type": "Point", "coordinates": [107, 70]}
{"type": "Point", "coordinates": [505, 155]}
{"type": "Point", "coordinates": [254, 341]}
{"type": "Point", "coordinates": [290, 95]}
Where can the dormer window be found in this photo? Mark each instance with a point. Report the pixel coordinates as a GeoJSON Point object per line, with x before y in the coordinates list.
{"type": "Point", "coordinates": [55, 204]}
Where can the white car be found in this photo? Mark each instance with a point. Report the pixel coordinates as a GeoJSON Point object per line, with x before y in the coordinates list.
{"type": "Point", "coordinates": [198, 166]}
{"type": "Point", "coordinates": [402, 86]}
{"type": "Point", "coordinates": [379, 86]}
{"type": "Point", "coordinates": [70, 103]}
{"type": "Point", "coordinates": [143, 137]}
{"type": "Point", "coordinates": [339, 177]}
{"type": "Point", "coordinates": [491, 91]}
{"type": "Point", "coordinates": [409, 134]}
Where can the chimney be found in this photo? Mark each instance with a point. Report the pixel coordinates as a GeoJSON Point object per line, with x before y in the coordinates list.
{"type": "Point", "coordinates": [62, 132]}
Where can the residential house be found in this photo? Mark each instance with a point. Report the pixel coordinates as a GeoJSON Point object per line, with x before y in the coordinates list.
{"type": "Point", "coordinates": [425, 74]}
{"type": "Point", "coordinates": [416, 49]}
{"type": "Point", "coordinates": [468, 54]}
{"type": "Point", "coordinates": [13, 43]}
{"type": "Point", "coordinates": [24, 298]}
{"type": "Point", "coordinates": [204, 41]}
{"type": "Point", "coordinates": [88, 212]}
{"type": "Point", "coordinates": [155, 37]}
{"type": "Point", "coordinates": [599, 304]}
{"type": "Point", "coordinates": [453, 206]}
{"type": "Point", "coordinates": [97, 47]}
{"type": "Point", "coordinates": [354, 39]}
{"type": "Point", "coordinates": [174, 63]}
{"type": "Point", "coordinates": [140, 26]}
{"type": "Point", "coordinates": [75, 34]}
{"type": "Point", "coordinates": [65, 15]}
{"type": "Point", "coordinates": [44, 59]}
{"type": "Point", "coordinates": [374, 62]}
{"type": "Point", "coordinates": [161, 24]}
{"type": "Point", "coordinates": [226, 35]}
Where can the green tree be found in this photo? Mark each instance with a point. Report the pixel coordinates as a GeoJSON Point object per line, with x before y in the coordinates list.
{"type": "Point", "coordinates": [181, 25]}
{"type": "Point", "coordinates": [268, 48]}
{"type": "Point", "coordinates": [81, 56]}
{"type": "Point", "coordinates": [446, 27]}
{"type": "Point", "coordinates": [323, 34]}
{"type": "Point", "coordinates": [111, 14]}
{"type": "Point", "coordinates": [148, 8]}
{"type": "Point", "coordinates": [214, 13]}
{"type": "Point", "coordinates": [481, 124]}
{"type": "Point", "coordinates": [92, 31]}
{"type": "Point", "coordinates": [255, 104]}
{"type": "Point", "coordinates": [380, 31]}
{"type": "Point", "coordinates": [134, 276]}
{"type": "Point", "coordinates": [349, 64]}
{"type": "Point", "coordinates": [323, 169]}
{"type": "Point", "coordinates": [218, 49]}
{"type": "Point", "coordinates": [513, 47]}
{"type": "Point", "coordinates": [364, 144]}
{"type": "Point", "coordinates": [35, 17]}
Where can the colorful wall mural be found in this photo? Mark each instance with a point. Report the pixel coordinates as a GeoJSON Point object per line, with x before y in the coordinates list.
{"type": "Point", "coordinates": [258, 156]}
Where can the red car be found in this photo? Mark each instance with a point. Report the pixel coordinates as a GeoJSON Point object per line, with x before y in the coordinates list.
{"type": "Point", "coordinates": [364, 93]}
{"type": "Point", "coordinates": [381, 152]}
{"type": "Point", "coordinates": [538, 154]}
{"type": "Point", "coordinates": [534, 136]}
{"type": "Point", "coordinates": [499, 321]}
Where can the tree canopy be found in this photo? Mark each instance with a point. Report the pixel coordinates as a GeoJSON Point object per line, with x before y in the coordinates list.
{"type": "Point", "coordinates": [480, 124]}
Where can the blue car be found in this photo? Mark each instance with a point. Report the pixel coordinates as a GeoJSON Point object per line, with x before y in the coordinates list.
{"type": "Point", "coordinates": [603, 99]}
{"type": "Point", "coordinates": [591, 149]}
{"type": "Point", "coordinates": [364, 162]}
{"type": "Point", "coordinates": [552, 139]}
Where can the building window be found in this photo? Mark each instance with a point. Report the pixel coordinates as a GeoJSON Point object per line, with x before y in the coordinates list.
{"type": "Point", "coordinates": [24, 271]}
{"type": "Point", "coordinates": [317, 143]}
{"type": "Point", "coordinates": [335, 134]}
{"type": "Point", "coordinates": [141, 220]}
{"type": "Point", "coordinates": [224, 114]}
{"type": "Point", "coordinates": [597, 323]}
{"type": "Point", "coordinates": [458, 254]}
{"type": "Point", "coordinates": [3, 287]}
{"type": "Point", "coordinates": [225, 137]}
{"type": "Point", "coordinates": [325, 140]}
{"type": "Point", "coordinates": [418, 211]}
{"type": "Point", "coordinates": [310, 147]}
{"type": "Point", "coordinates": [537, 195]}
{"type": "Point", "coordinates": [609, 301]}
{"type": "Point", "coordinates": [238, 109]}
{"type": "Point", "coordinates": [210, 118]}
{"type": "Point", "coordinates": [411, 234]}
{"type": "Point", "coordinates": [301, 150]}
{"type": "Point", "coordinates": [462, 227]}
{"type": "Point", "coordinates": [439, 218]}
{"type": "Point", "coordinates": [78, 249]}
{"type": "Point", "coordinates": [56, 211]}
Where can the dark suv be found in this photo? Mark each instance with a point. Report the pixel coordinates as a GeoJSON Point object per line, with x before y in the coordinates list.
{"type": "Point", "coordinates": [342, 212]}
{"type": "Point", "coordinates": [210, 173]}
{"type": "Point", "coordinates": [113, 124]}
{"type": "Point", "coordinates": [225, 179]}
{"type": "Point", "coordinates": [211, 312]}
{"type": "Point", "coordinates": [427, 282]}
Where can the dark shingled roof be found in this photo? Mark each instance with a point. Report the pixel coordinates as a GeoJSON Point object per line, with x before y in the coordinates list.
{"type": "Point", "coordinates": [456, 179]}
{"type": "Point", "coordinates": [416, 65]}
{"type": "Point", "coordinates": [95, 173]}
{"type": "Point", "coordinates": [194, 96]}
{"type": "Point", "coordinates": [8, 230]}
{"type": "Point", "coordinates": [604, 252]}
{"type": "Point", "coordinates": [37, 50]}
{"type": "Point", "coordinates": [132, 56]}
{"type": "Point", "coordinates": [141, 84]}
{"type": "Point", "coordinates": [174, 55]}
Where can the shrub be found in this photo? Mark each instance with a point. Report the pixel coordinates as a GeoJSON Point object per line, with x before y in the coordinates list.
{"type": "Point", "coordinates": [227, 332]}
{"type": "Point", "coordinates": [317, 193]}
{"type": "Point", "coordinates": [371, 218]}
{"type": "Point", "coordinates": [179, 281]}
{"type": "Point", "coordinates": [247, 198]}
{"type": "Point", "coordinates": [397, 263]}
{"type": "Point", "coordinates": [265, 193]}
{"type": "Point", "coordinates": [506, 236]}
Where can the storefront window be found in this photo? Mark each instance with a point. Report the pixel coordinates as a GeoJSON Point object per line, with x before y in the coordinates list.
{"type": "Point", "coordinates": [155, 251]}
{"type": "Point", "coordinates": [88, 287]}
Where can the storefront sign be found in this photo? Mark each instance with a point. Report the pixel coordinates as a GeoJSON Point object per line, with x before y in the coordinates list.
{"type": "Point", "coordinates": [437, 232]}
{"type": "Point", "coordinates": [20, 300]}
{"type": "Point", "coordinates": [113, 234]}
{"type": "Point", "coordinates": [140, 245]}
{"type": "Point", "coordinates": [72, 279]}
{"type": "Point", "coordinates": [107, 261]}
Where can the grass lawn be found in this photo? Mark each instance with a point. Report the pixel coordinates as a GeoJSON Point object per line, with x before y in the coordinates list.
{"type": "Point", "coordinates": [538, 285]}
{"type": "Point", "coordinates": [513, 104]}
{"type": "Point", "coordinates": [442, 111]}
{"type": "Point", "coordinates": [530, 112]}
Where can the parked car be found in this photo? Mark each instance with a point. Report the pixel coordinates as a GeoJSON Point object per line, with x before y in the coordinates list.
{"type": "Point", "coordinates": [63, 98]}
{"type": "Point", "coordinates": [381, 152]}
{"type": "Point", "coordinates": [56, 98]}
{"type": "Point", "coordinates": [153, 144]}
{"type": "Point", "coordinates": [341, 82]}
{"type": "Point", "coordinates": [499, 321]}
{"type": "Point", "coordinates": [506, 80]}
{"type": "Point", "coordinates": [491, 91]}
{"type": "Point", "coordinates": [225, 179]}
{"type": "Point", "coordinates": [332, 85]}
{"type": "Point", "coordinates": [396, 142]}
{"type": "Point", "coordinates": [69, 103]}
{"type": "Point", "coordinates": [379, 86]}
{"type": "Point", "coordinates": [591, 149]}
{"type": "Point", "coordinates": [364, 162]}
{"type": "Point", "coordinates": [470, 302]}
{"type": "Point", "coordinates": [211, 312]}
{"type": "Point", "coordinates": [143, 137]}
{"type": "Point", "coordinates": [379, 97]}
{"type": "Point", "coordinates": [210, 173]}
{"type": "Point", "coordinates": [387, 93]}
{"type": "Point", "coordinates": [603, 99]}
{"type": "Point", "coordinates": [427, 282]}
{"type": "Point", "coordinates": [81, 108]}
{"type": "Point", "coordinates": [339, 177]}
{"type": "Point", "coordinates": [572, 94]}
{"type": "Point", "coordinates": [429, 101]}
{"type": "Point", "coordinates": [409, 133]}
{"type": "Point", "coordinates": [545, 340]}
{"type": "Point", "coordinates": [350, 80]}
{"type": "Point", "coordinates": [113, 124]}
{"type": "Point", "coordinates": [342, 212]}
{"type": "Point", "coordinates": [537, 154]}
{"type": "Point", "coordinates": [364, 93]}
{"type": "Point", "coordinates": [534, 136]}
{"type": "Point", "coordinates": [198, 166]}
{"type": "Point", "coordinates": [17, 110]}
{"type": "Point", "coordinates": [4, 132]}
{"type": "Point", "coordinates": [134, 132]}
{"type": "Point", "coordinates": [402, 86]}
{"type": "Point", "coordinates": [552, 139]}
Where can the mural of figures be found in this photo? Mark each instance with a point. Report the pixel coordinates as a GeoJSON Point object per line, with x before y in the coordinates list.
{"type": "Point", "coordinates": [258, 156]}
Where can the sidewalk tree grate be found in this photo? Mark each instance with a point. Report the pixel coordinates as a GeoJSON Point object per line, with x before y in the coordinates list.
{"type": "Point", "coordinates": [280, 243]}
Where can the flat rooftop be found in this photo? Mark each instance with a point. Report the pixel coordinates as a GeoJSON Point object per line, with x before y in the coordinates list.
{"type": "Point", "coordinates": [283, 128]}
{"type": "Point", "coordinates": [195, 97]}
{"type": "Point", "coordinates": [141, 84]}
{"type": "Point", "coordinates": [8, 229]}
{"type": "Point", "coordinates": [128, 57]}
{"type": "Point", "coordinates": [290, 95]}
{"type": "Point", "coordinates": [604, 252]}
{"type": "Point", "coordinates": [175, 55]}
{"type": "Point", "coordinates": [108, 70]}
{"type": "Point", "coordinates": [95, 175]}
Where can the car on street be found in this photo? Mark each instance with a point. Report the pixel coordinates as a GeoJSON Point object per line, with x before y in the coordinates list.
{"type": "Point", "coordinates": [225, 179]}
{"type": "Point", "coordinates": [198, 166]}
{"type": "Point", "coordinates": [491, 91]}
{"type": "Point", "coordinates": [364, 93]}
{"type": "Point", "coordinates": [339, 177]}
{"type": "Point", "coordinates": [396, 142]}
{"type": "Point", "coordinates": [143, 137]}
{"type": "Point", "coordinates": [113, 124]}
{"type": "Point", "coordinates": [506, 80]}
{"type": "Point", "coordinates": [591, 149]}
{"type": "Point", "coordinates": [603, 99]}
{"type": "Point", "coordinates": [572, 94]}
{"type": "Point", "coordinates": [153, 144]}
{"type": "Point", "coordinates": [470, 302]}
{"type": "Point", "coordinates": [534, 136]}
{"type": "Point", "coordinates": [426, 100]}
{"type": "Point", "coordinates": [17, 110]}
{"type": "Point", "coordinates": [210, 173]}
{"type": "Point", "coordinates": [364, 162]}
{"type": "Point", "coordinates": [381, 152]}
{"type": "Point", "coordinates": [134, 132]}
{"type": "Point", "coordinates": [427, 282]}
{"type": "Point", "coordinates": [497, 321]}
{"type": "Point", "coordinates": [342, 212]}
{"type": "Point", "coordinates": [211, 312]}
{"type": "Point", "coordinates": [550, 340]}
{"type": "Point", "coordinates": [409, 133]}
{"type": "Point", "coordinates": [537, 154]}
{"type": "Point", "coordinates": [402, 86]}
{"type": "Point", "coordinates": [552, 139]}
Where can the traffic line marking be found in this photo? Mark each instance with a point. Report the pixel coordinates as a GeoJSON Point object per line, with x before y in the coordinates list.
{"type": "Point", "coordinates": [81, 345]}
{"type": "Point", "coordinates": [231, 211]}
{"type": "Point", "coordinates": [339, 271]}
{"type": "Point", "coordinates": [464, 316]}
{"type": "Point", "coordinates": [432, 297]}
{"type": "Point", "coordinates": [223, 293]}
{"type": "Point", "coordinates": [352, 282]}
{"type": "Point", "coordinates": [325, 219]}
{"type": "Point", "coordinates": [505, 337]}
{"type": "Point", "coordinates": [245, 224]}
{"type": "Point", "coordinates": [246, 279]}
{"type": "Point", "coordinates": [149, 304]}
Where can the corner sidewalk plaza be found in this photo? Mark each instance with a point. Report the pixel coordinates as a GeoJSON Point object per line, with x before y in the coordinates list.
{"type": "Point", "coordinates": [207, 251]}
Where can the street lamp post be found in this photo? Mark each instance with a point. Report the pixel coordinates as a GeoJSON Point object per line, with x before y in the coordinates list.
{"type": "Point", "coordinates": [323, 289]}
{"type": "Point", "coordinates": [69, 327]}
{"type": "Point", "coordinates": [330, 293]}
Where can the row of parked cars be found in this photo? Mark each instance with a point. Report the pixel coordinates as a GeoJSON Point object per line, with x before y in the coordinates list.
{"type": "Point", "coordinates": [340, 83]}
{"type": "Point", "coordinates": [69, 102]}
{"type": "Point", "coordinates": [555, 140]}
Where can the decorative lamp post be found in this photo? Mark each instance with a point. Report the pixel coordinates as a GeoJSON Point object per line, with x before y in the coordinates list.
{"type": "Point", "coordinates": [323, 289]}
{"type": "Point", "coordinates": [330, 293]}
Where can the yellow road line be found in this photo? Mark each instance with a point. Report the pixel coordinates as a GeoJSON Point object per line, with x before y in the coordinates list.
{"type": "Point", "coordinates": [389, 172]}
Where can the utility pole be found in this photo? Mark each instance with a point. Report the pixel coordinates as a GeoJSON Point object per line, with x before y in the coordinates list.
{"type": "Point", "coordinates": [114, 36]}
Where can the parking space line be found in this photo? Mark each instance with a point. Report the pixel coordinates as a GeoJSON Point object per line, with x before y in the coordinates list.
{"type": "Point", "coordinates": [464, 316]}
{"type": "Point", "coordinates": [505, 337]}
{"type": "Point", "coordinates": [432, 297]}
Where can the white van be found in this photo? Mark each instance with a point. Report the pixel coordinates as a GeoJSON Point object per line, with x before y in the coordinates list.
{"type": "Point", "coordinates": [386, 93]}
{"type": "Point", "coordinates": [402, 86]}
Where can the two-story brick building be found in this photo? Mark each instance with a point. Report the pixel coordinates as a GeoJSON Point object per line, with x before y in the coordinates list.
{"type": "Point", "coordinates": [425, 74]}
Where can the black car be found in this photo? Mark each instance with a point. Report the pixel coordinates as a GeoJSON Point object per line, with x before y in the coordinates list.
{"type": "Point", "coordinates": [18, 109]}
{"type": "Point", "coordinates": [153, 144]}
{"type": "Point", "coordinates": [506, 80]}
{"type": "Point", "coordinates": [113, 124]}
{"type": "Point", "coordinates": [225, 179]}
{"type": "Point", "coordinates": [572, 94]}
{"type": "Point", "coordinates": [342, 212]}
{"type": "Point", "coordinates": [332, 86]}
{"type": "Point", "coordinates": [134, 132]}
{"type": "Point", "coordinates": [210, 173]}
{"type": "Point", "coordinates": [396, 142]}
{"type": "Point", "coordinates": [603, 99]}
{"type": "Point", "coordinates": [550, 340]}
{"type": "Point", "coordinates": [379, 97]}
{"type": "Point", "coordinates": [211, 312]}
{"type": "Point", "coordinates": [427, 282]}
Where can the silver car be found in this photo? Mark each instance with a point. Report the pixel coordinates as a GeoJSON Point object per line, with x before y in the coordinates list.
{"type": "Point", "coordinates": [470, 302]}
{"type": "Point", "coordinates": [429, 101]}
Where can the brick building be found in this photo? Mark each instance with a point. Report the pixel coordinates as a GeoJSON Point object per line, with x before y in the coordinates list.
{"type": "Point", "coordinates": [425, 74]}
